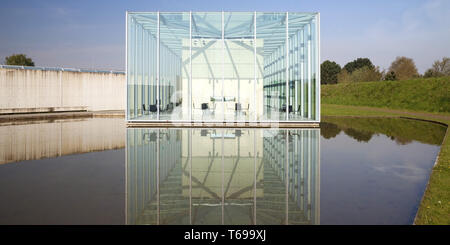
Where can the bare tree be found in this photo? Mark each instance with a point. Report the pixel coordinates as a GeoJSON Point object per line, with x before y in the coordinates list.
{"type": "Point", "coordinates": [442, 67]}
{"type": "Point", "coordinates": [439, 68]}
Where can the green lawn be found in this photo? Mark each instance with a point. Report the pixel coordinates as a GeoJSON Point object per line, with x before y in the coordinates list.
{"type": "Point", "coordinates": [430, 95]}
{"type": "Point", "coordinates": [435, 205]}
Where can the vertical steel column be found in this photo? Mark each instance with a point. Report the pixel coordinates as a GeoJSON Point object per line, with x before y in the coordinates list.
{"type": "Point", "coordinates": [223, 69]}
{"type": "Point", "coordinates": [279, 75]}
{"type": "Point", "coordinates": [146, 65]}
{"type": "Point", "coordinates": [318, 68]}
{"type": "Point", "coordinates": [309, 71]}
{"type": "Point", "coordinates": [297, 71]}
{"type": "Point", "coordinates": [190, 67]}
{"type": "Point", "coordinates": [142, 58]}
{"type": "Point", "coordinates": [126, 67]}
{"type": "Point", "coordinates": [157, 69]}
{"type": "Point", "coordinates": [135, 78]}
{"type": "Point", "coordinates": [287, 66]}
{"type": "Point", "coordinates": [302, 73]}
{"type": "Point", "coordinates": [254, 66]}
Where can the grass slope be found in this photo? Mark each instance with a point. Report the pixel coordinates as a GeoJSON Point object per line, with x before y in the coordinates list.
{"type": "Point", "coordinates": [431, 94]}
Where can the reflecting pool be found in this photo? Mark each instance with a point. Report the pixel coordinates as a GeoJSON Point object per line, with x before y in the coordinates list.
{"type": "Point", "coordinates": [97, 171]}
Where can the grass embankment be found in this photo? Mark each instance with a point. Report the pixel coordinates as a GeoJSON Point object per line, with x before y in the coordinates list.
{"type": "Point", "coordinates": [431, 94]}
{"type": "Point", "coordinates": [414, 99]}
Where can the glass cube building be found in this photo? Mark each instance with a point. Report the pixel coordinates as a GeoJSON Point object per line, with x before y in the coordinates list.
{"type": "Point", "coordinates": [223, 67]}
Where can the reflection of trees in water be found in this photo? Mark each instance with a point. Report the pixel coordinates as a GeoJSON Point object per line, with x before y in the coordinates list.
{"type": "Point", "coordinates": [402, 131]}
{"type": "Point", "coordinates": [401, 141]}
{"type": "Point", "coordinates": [364, 136]}
{"type": "Point", "coordinates": [329, 130]}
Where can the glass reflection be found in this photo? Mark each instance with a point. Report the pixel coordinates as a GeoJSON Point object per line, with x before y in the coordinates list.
{"type": "Point", "coordinates": [222, 176]}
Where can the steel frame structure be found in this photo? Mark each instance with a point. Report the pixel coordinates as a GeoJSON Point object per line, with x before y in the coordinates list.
{"type": "Point", "coordinates": [290, 71]}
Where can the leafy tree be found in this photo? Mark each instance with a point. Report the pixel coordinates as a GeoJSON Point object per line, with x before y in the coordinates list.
{"type": "Point", "coordinates": [404, 68]}
{"type": "Point", "coordinates": [358, 63]}
{"type": "Point", "coordinates": [390, 76]}
{"type": "Point", "coordinates": [366, 74]}
{"type": "Point", "coordinates": [19, 60]}
{"type": "Point", "coordinates": [343, 76]}
{"type": "Point", "coordinates": [363, 74]}
{"type": "Point", "coordinates": [329, 71]}
{"type": "Point", "coordinates": [439, 68]}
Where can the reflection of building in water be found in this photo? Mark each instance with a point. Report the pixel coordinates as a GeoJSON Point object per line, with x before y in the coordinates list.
{"type": "Point", "coordinates": [222, 176]}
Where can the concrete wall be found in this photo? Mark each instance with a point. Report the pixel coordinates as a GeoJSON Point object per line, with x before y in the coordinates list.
{"type": "Point", "coordinates": [23, 90]}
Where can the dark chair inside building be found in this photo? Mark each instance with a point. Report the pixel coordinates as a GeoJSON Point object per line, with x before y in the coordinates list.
{"type": "Point", "coordinates": [237, 106]}
{"type": "Point", "coordinates": [151, 108]}
{"type": "Point", "coordinates": [206, 110]}
{"type": "Point", "coordinates": [170, 106]}
{"type": "Point", "coordinates": [143, 109]}
{"type": "Point", "coordinates": [283, 109]}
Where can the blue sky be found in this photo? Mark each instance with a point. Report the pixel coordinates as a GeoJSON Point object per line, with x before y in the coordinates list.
{"type": "Point", "coordinates": [91, 34]}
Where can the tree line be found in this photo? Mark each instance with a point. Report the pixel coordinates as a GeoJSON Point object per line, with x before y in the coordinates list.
{"type": "Point", "coordinates": [363, 70]}
{"type": "Point", "coordinates": [19, 60]}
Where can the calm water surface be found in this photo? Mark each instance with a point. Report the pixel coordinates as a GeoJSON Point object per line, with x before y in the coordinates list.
{"type": "Point", "coordinates": [96, 171]}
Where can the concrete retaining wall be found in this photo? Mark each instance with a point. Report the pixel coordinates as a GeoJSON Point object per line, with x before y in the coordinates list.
{"type": "Point", "coordinates": [40, 90]}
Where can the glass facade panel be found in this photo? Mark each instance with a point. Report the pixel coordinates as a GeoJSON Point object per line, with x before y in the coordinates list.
{"type": "Point", "coordinates": [239, 64]}
{"type": "Point", "coordinates": [223, 67]}
{"type": "Point", "coordinates": [174, 34]}
{"type": "Point", "coordinates": [207, 66]}
{"type": "Point", "coordinates": [303, 68]}
{"type": "Point", "coordinates": [271, 29]}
